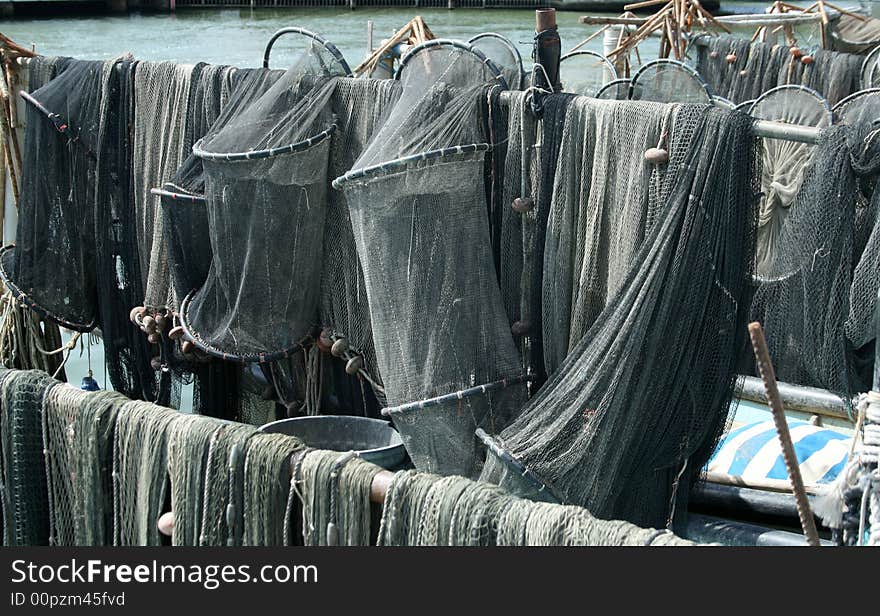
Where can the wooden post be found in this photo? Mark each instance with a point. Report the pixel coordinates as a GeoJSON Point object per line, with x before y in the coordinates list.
{"type": "Point", "coordinates": [548, 48]}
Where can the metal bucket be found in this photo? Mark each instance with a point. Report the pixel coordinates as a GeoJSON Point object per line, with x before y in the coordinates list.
{"type": "Point", "coordinates": [374, 440]}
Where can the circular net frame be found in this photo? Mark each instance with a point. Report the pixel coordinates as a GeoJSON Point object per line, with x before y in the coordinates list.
{"type": "Point", "coordinates": [669, 81]}
{"type": "Point", "coordinates": [585, 72]}
{"type": "Point", "coordinates": [504, 54]}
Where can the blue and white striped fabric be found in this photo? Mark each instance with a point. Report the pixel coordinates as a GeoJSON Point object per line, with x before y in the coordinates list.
{"type": "Point", "coordinates": [752, 452]}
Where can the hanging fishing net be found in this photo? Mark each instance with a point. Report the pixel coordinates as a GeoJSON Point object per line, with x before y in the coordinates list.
{"type": "Point", "coordinates": [24, 490]}
{"type": "Point", "coordinates": [739, 70]}
{"type": "Point", "coordinates": [266, 179]}
{"type": "Point", "coordinates": [585, 72]}
{"type": "Point", "coordinates": [504, 54]}
{"type": "Point", "coordinates": [862, 106]}
{"type": "Point", "coordinates": [605, 198]}
{"type": "Point", "coordinates": [669, 81]}
{"type": "Point", "coordinates": [639, 402]}
{"type": "Point", "coordinates": [417, 201]}
{"type": "Point", "coordinates": [813, 294]}
{"type": "Point", "coordinates": [359, 105]}
{"type": "Point", "coordinates": [530, 169]}
{"type": "Point", "coordinates": [52, 266]}
{"type": "Point", "coordinates": [78, 444]}
{"type": "Point", "coordinates": [615, 90]}
{"type": "Point", "coordinates": [854, 33]}
{"type": "Point", "coordinates": [784, 162]}
{"type": "Point", "coordinates": [335, 492]}
{"type": "Point", "coordinates": [428, 510]}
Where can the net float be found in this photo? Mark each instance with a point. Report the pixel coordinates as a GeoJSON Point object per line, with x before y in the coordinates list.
{"type": "Point", "coordinates": [354, 364]}
{"type": "Point", "coordinates": [520, 328]}
{"type": "Point", "coordinates": [136, 312]}
{"type": "Point", "coordinates": [522, 204]}
{"type": "Point", "coordinates": [796, 52]}
{"type": "Point", "coordinates": [161, 321]}
{"type": "Point", "coordinates": [807, 60]}
{"type": "Point", "coordinates": [187, 347]}
{"type": "Point", "coordinates": [743, 73]}
{"type": "Point", "coordinates": [148, 323]}
{"type": "Point", "coordinates": [154, 338]}
{"type": "Point", "coordinates": [731, 58]}
{"type": "Point", "coordinates": [339, 347]}
{"type": "Point", "coordinates": [656, 156]}
{"type": "Point", "coordinates": [156, 364]}
{"type": "Point", "coordinates": [165, 524]}
{"type": "Point", "coordinates": [713, 54]}
{"type": "Point", "coordinates": [176, 333]}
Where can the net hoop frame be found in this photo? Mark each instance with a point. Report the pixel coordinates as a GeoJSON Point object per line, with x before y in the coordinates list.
{"type": "Point", "coordinates": [292, 148]}
{"type": "Point", "coordinates": [25, 299]}
{"type": "Point", "coordinates": [848, 99]}
{"type": "Point", "coordinates": [440, 42]}
{"type": "Point", "coordinates": [456, 395]}
{"type": "Point", "coordinates": [257, 358]}
{"type": "Point", "coordinates": [670, 62]}
{"type": "Point", "coordinates": [870, 61]}
{"type": "Point", "coordinates": [495, 447]}
{"type": "Point", "coordinates": [61, 125]}
{"type": "Point", "coordinates": [614, 83]}
{"type": "Point", "coordinates": [399, 163]}
{"type": "Point", "coordinates": [334, 51]}
{"type": "Point", "coordinates": [177, 196]}
{"type": "Point", "coordinates": [788, 88]}
{"type": "Point", "coordinates": [745, 106]}
{"type": "Point", "coordinates": [507, 43]}
{"type": "Point", "coordinates": [598, 56]}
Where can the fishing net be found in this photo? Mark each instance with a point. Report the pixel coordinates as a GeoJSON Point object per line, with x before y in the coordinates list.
{"type": "Point", "coordinates": [428, 510]}
{"type": "Point", "coordinates": [359, 105]}
{"type": "Point", "coordinates": [24, 489]}
{"type": "Point", "coordinates": [739, 70]}
{"type": "Point", "coordinates": [869, 72]}
{"type": "Point", "coordinates": [188, 458]}
{"type": "Point", "coordinates": [52, 266]}
{"type": "Point", "coordinates": [417, 202]}
{"type": "Point", "coordinates": [811, 305]}
{"type": "Point", "coordinates": [528, 187]}
{"type": "Point", "coordinates": [639, 402]}
{"type": "Point", "coordinates": [77, 443]}
{"type": "Point", "coordinates": [669, 81]}
{"type": "Point", "coordinates": [606, 195]}
{"type": "Point", "coordinates": [222, 506]}
{"type": "Point", "coordinates": [335, 492]}
{"type": "Point", "coordinates": [862, 106]}
{"type": "Point", "coordinates": [585, 72]}
{"type": "Point", "coordinates": [854, 34]}
{"type": "Point", "coordinates": [504, 54]}
{"type": "Point", "coordinates": [265, 179]}
{"type": "Point", "coordinates": [616, 90]}
{"type": "Point", "coordinates": [268, 494]}
{"type": "Point", "coordinates": [784, 161]}
{"type": "Point", "coordinates": [140, 471]}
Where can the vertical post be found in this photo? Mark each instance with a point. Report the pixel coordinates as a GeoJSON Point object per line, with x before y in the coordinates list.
{"type": "Point", "coordinates": [352, 4]}
{"type": "Point", "coordinates": [450, 4]}
{"type": "Point", "coordinates": [546, 53]}
{"type": "Point", "coordinates": [369, 36]}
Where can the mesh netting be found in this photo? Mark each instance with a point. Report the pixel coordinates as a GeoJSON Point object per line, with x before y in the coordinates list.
{"type": "Point", "coordinates": [52, 266]}
{"type": "Point", "coordinates": [814, 310]}
{"type": "Point", "coordinates": [585, 72]}
{"type": "Point", "coordinates": [617, 90]}
{"type": "Point", "coordinates": [605, 195]}
{"type": "Point", "coordinates": [859, 107]}
{"type": "Point", "coordinates": [23, 490]}
{"type": "Point", "coordinates": [869, 74]}
{"type": "Point", "coordinates": [359, 105]}
{"type": "Point", "coordinates": [77, 441]}
{"type": "Point", "coordinates": [784, 162]}
{"type": "Point", "coordinates": [265, 179]}
{"type": "Point", "coordinates": [739, 70]}
{"type": "Point", "coordinates": [504, 54]}
{"type": "Point", "coordinates": [854, 33]}
{"type": "Point", "coordinates": [645, 393]}
{"type": "Point", "coordinates": [417, 202]}
{"type": "Point", "coordinates": [335, 492]}
{"type": "Point", "coordinates": [140, 474]}
{"type": "Point", "coordinates": [428, 510]}
{"type": "Point", "coordinates": [669, 81]}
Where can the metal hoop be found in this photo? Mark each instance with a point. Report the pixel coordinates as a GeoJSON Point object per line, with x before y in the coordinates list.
{"type": "Point", "coordinates": [408, 56]}
{"type": "Point", "coordinates": [309, 34]}
{"type": "Point", "coordinates": [507, 43]}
